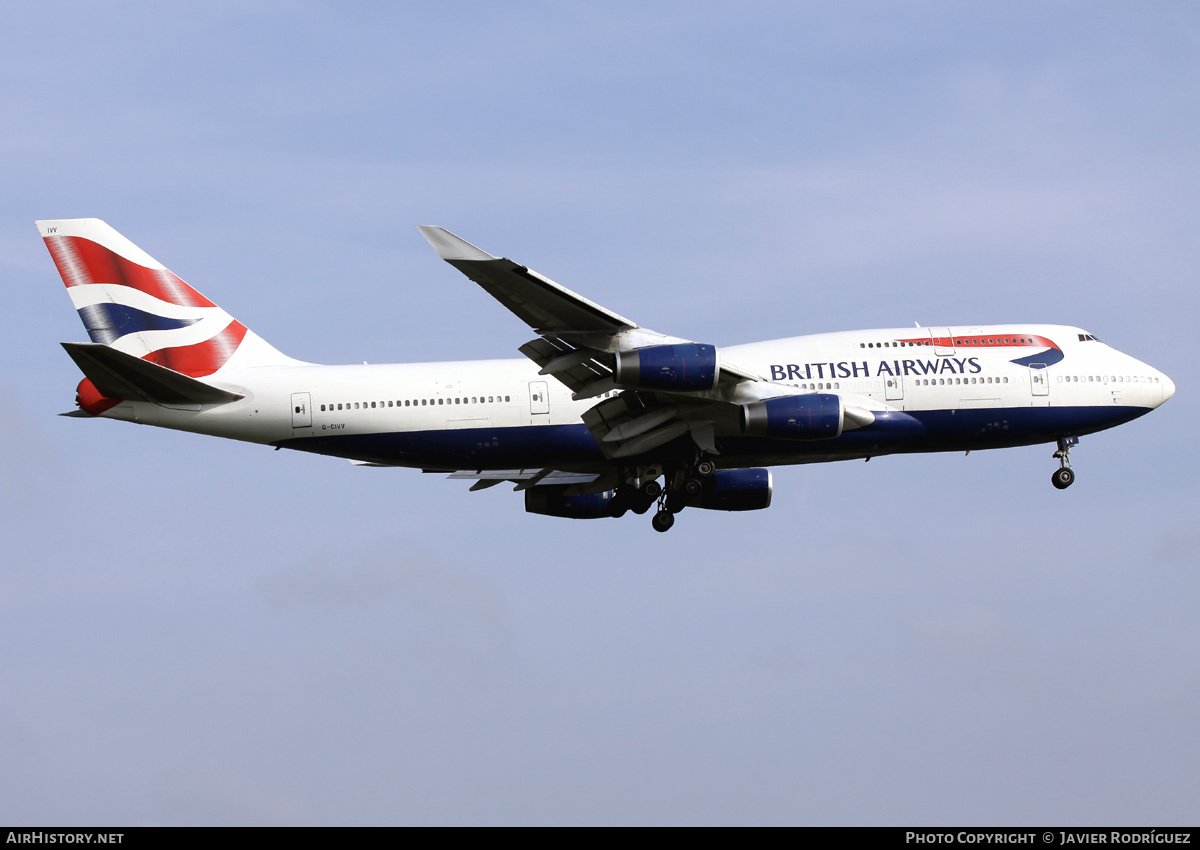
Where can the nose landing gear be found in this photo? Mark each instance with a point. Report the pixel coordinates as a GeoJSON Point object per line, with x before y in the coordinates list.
{"type": "Point", "coordinates": [1064, 476]}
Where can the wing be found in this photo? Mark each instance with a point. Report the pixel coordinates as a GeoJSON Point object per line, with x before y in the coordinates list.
{"type": "Point", "coordinates": [578, 338]}
{"type": "Point", "coordinates": [548, 308]}
{"type": "Point", "coordinates": [579, 343]}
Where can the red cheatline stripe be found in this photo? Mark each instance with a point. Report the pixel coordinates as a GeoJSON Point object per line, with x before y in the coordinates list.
{"type": "Point", "coordinates": [988, 340]}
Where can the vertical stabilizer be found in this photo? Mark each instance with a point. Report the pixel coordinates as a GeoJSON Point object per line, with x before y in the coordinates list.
{"type": "Point", "coordinates": [131, 302]}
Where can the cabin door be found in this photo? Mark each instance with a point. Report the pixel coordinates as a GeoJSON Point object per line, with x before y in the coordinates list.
{"type": "Point", "coordinates": [1039, 380]}
{"type": "Point", "coordinates": [301, 412]}
{"type": "Point", "coordinates": [539, 398]}
{"type": "Point", "coordinates": [943, 342]}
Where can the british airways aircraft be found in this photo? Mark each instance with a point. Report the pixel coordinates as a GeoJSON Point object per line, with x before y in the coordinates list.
{"type": "Point", "coordinates": [603, 416]}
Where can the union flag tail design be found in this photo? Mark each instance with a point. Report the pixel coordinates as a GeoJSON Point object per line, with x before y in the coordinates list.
{"type": "Point", "coordinates": [131, 302]}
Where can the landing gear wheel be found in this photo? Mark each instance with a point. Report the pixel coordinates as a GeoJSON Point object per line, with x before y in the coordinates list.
{"type": "Point", "coordinates": [652, 489]}
{"type": "Point", "coordinates": [1062, 478]}
{"type": "Point", "coordinates": [693, 487]}
{"type": "Point", "coordinates": [676, 502]}
{"type": "Point", "coordinates": [663, 520]}
{"type": "Point", "coordinates": [642, 505]}
{"type": "Point", "coordinates": [617, 506]}
{"type": "Point", "coordinates": [706, 468]}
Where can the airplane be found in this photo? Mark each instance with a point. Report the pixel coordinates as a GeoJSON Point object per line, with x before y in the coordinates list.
{"type": "Point", "coordinates": [603, 416]}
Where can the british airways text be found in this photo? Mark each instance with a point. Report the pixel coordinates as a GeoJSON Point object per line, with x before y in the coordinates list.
{"type": "Point", "coordinates": [862, 369]}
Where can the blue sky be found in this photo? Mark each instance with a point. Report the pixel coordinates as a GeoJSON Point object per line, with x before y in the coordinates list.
{"type": "Point", "coordinates": [195, 631]}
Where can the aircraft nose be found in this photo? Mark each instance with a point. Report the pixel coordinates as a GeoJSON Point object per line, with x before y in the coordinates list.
{"type": "Point", "coordinates": [1168, 387]}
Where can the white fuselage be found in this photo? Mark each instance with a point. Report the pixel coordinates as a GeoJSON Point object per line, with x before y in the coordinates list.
{"type": "Point", "coordinates": [374, 412]}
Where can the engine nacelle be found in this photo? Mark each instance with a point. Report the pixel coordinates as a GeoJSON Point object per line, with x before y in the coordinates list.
{"type": "Point", "coordinates": [552, 500]}
{"type": "Point", "coordinates": [685, 367]}
{"type": "Point", "coordinates": [736, 490]}
{"type": "Point", "coordinates": [818, 416]}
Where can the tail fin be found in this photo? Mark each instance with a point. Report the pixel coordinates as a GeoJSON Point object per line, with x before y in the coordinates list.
{"type": "Point", "coordinates": [130, 302]}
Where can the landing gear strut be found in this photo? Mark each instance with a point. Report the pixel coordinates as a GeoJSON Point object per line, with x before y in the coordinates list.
{"type": "Point", "coordinates": [1064, 476]}
{"type": "Point", "coordinates": [681, 485]}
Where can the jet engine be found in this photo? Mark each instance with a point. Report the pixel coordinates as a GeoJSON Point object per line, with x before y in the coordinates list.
{"type": "Point", "coordinates": [736, 490]}
{"type": "Point", "coordinates": [552, 500]}
{"type": "Point", "coordinates": [819, 416]}
{"type": "Point", "coordinates": [686, 367]}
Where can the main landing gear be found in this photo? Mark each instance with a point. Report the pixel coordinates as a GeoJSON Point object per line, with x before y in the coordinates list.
{"type": "Point", "coordinates": [681, 486]}
{"type": "Point", "coordinates": [1064, 476]}
{"type": "Point", "coordinates": [630, 497]}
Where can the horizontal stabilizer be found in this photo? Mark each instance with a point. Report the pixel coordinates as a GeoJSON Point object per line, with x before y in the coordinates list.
{"type": "Point", "coordinates": [119, 375]}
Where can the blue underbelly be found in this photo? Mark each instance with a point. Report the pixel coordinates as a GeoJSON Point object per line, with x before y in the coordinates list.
{"type": "Point", "coordinates": [573, 445]}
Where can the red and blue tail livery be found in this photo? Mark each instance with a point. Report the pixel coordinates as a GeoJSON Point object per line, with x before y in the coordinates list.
{"type": "Point", "coordinates": [132, 303]}
{"type": "Point", "coordinates": [602, 416]}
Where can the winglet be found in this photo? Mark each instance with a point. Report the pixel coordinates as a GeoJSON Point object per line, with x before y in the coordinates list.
{"type": "Point", "coordinates": [450, 247]}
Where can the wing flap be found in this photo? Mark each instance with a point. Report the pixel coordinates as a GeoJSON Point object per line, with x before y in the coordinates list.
{"type": "Point", "coordinates": [538, 474]}
{"type": "Point", "coordinates": [524, 478]}
{"type": "Point", "coordinates": [575, 367]}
